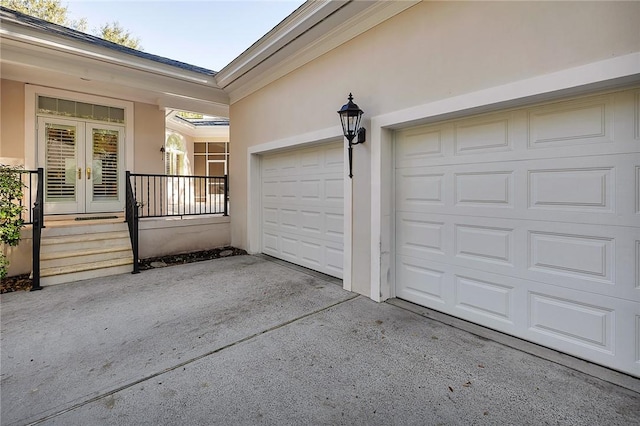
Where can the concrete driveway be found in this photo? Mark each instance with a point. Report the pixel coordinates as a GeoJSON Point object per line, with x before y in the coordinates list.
{"type": "Point", "coordinates": [245, 340]}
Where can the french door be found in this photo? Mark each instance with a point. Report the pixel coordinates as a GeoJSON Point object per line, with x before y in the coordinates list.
{"type": "Point", "coordinates": [83, 165]}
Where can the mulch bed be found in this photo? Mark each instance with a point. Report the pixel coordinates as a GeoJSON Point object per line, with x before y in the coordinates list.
{"type": "Point", "coordinates": [24, 283]}
{"type": "Point", "coordinates": [181, 259]}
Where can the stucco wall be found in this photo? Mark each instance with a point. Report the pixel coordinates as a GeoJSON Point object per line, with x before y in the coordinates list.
{"type": "Point", "coordinates": [159, 237]}
{"type": "Point", "coordinates": [149, 137]}
{"type": "Point", "coordinates": [431, 51]}
{"type": "Point", "coordinates": [12, 119]}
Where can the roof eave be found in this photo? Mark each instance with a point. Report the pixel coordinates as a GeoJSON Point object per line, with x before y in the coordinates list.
{"type": "Point", "coordinates": [29, 53]}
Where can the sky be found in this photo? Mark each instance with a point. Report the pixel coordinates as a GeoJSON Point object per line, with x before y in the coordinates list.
{"type": "Point", "coordinates": [206, 33]}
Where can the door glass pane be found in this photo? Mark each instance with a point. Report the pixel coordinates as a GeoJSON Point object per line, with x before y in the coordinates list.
{"type": "Point", "coordinates": [104, 174]}
{"type": "Point", "coordinates": [60, 163]}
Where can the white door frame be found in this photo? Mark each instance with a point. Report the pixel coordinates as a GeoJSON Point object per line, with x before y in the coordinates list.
{"type": "Point", "coordinates": [30, 120]}
{"type": "Point", "coordinates": [254, 191]}
{"type": "Point", "coordinates": [84, 171]}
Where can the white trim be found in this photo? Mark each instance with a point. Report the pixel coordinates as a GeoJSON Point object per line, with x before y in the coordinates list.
{"type": "Point", "coordinates": [298, 141]}
{"type": "Point", "coordinates": [254, 194]}
{"type": "Point", "coordinates": [347, 261]}
{"type": "Point", "coordinates": [282, 34]}
{"type": "Point", "coordinates": [30, 113]}
{"type": "Point", "coordinates": [604, 74]}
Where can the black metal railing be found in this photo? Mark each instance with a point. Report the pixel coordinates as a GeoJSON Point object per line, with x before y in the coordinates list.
{"type": "Point", "coordinates": [174, 195]}
{"type": "Point", "coordinates": [149, 195]}
{"type": "Point", "coordinates": [32, 203]}
{"type": "Point", "coordinates": [30, 180]}
{"type": "Point", "coordinates": [132, 221]}
{"type": "Point", "coordinates": [37, 219]}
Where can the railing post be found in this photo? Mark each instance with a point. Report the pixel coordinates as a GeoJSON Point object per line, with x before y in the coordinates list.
{"type": "Point", "coordinates": [36, 233]}
{"type": "Point", "coordinates": [226, 194]}
{"type": "Point", "coordinates": [132, 221]}
{"type": "Point", "coordinates": [136, 263]}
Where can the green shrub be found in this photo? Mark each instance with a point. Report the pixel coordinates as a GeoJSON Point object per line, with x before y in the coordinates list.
{"type": "Point", "coordinates": [11, 221]}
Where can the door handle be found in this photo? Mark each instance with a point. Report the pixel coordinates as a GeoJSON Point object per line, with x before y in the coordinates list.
{"type": "Point", "coordinates": [79, 173]}
{"type": "Point", "coordinates": [88, 173]}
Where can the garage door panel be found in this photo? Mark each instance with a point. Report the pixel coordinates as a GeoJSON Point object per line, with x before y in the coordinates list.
{"type": "Point", "coordinates": [583, 257]}
{"type": "Point", "coordinates": [568, 320]}
{"type": "Point", "coordinates": [576, 190]}
{"type": "Point", "coordinates": [421, 281]}
{"type": "Point", "coordinates": [528, 221]}
{"type": "Point", "coordinates": [486, 244]}
{"type": "Point", "coordinates": [490, 189]}
{"type": "Point", "coordinates": [598, 327]}
{"type": "Point", "coordinates": [573, 189]}
{"type": "Point", "coordinates": [598, 125]}
{"type": "Point", "coordinates": [317, 254]}
{"type": "Point", "coordinates": [579, 323]}
{"type": "Point", "coordinates": [315, 190]}
{"type": "Point", "coordinates": [303, 207]}
{"type": "Point", "coordinates": [419, 188]}
{"type": "Point", "coordinates": [473, 295]}
{"type": "Point", "coordinates": [325, 223]}
{"type": "Point", "coordinates": [315, 159]}
{"type": "Point", "coordinates": [418, 235]}
{"type": "Point", "coordinates": [579, 122]}
{"type": "Point", "coordinates": [489, 134]}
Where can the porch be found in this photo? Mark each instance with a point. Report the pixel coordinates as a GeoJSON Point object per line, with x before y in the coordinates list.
{"type": "Point", "coordinates": [164, 214]}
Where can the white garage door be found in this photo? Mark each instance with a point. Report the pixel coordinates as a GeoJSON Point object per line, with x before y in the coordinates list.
{"type": "Point", "coordinates": [528, 221]}
{"type": "Point", "coordinates": [302, 207]}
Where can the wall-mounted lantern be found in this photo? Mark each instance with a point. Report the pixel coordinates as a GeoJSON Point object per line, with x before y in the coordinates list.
{"type": "Point", "coordinates": [162, 152]}
{"type": "Point", "coordinates": [350, 116]}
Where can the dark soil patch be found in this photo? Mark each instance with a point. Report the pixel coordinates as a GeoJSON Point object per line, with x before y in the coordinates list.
{"type": "Point", "coordinates": [24, 283]}
{"type": "Point", "coordinates": [181, 259]}
{"type": "Point", "coordinates": [15, 283]}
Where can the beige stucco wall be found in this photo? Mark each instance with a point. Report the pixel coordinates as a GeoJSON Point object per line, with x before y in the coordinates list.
{"type": "Point", "coordinates": [162, 236]}
{"type": "Point", "coordinates": [20, 256]}
{"type": "Point", "coordinates": [431, 51]}
{"type": "Point", "coordinates": [12, 120]}
{"type": "Point", "coordinates": [149, 137]}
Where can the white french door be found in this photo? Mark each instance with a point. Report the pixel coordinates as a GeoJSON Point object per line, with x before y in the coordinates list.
{"type": "Point", "coordinates": [83, 166]}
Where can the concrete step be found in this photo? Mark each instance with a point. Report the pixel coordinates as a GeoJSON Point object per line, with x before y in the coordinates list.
{"type": "Point", "coordinates": [66, 228]}
{"type": "Point", "coordinates": [73, 250]}
{"type": "Point", "coordinates": [69, 269]}
{"type": "Point", "coordinates": [85, 275]}
{"type": "Point", "coordinates": [89, 238]}
{"type": "Point", "coordinates": [64, 258]}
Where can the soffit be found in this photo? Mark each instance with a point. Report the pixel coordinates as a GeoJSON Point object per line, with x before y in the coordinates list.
{"type": "Point", "coordinates": [314, 29]}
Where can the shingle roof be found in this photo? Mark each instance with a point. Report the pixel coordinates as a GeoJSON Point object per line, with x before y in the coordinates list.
{"type": "Point", "coordinates": [39, 24]}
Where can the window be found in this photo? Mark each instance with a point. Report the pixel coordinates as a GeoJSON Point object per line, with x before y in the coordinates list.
{"type": "Point", "coordinates": [175, 155]}
{"type": "Point", "coordinates": [211, 158]}
{"type": "Point", "coordinates": [67, 108]}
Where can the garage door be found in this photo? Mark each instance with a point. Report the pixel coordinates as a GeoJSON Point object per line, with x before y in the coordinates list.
{"type": "Point", "coordinates": [527, 221]}
{"type": "Point", "coordinates": [302, 207]}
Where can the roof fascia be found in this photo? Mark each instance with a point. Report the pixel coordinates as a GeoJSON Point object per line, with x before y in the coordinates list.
{"type": "Point", "coordinates": [311, 31]}
{"type": "Point", "coordinates": [55, 43]}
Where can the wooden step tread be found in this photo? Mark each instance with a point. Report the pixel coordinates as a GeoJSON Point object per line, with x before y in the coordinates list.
{"type": "Point", "coordinates": [74, 238]}
{"type": "Point", "coordinates": [80, 253]}
{"type": "Point", "coordinates": [68, 269]}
